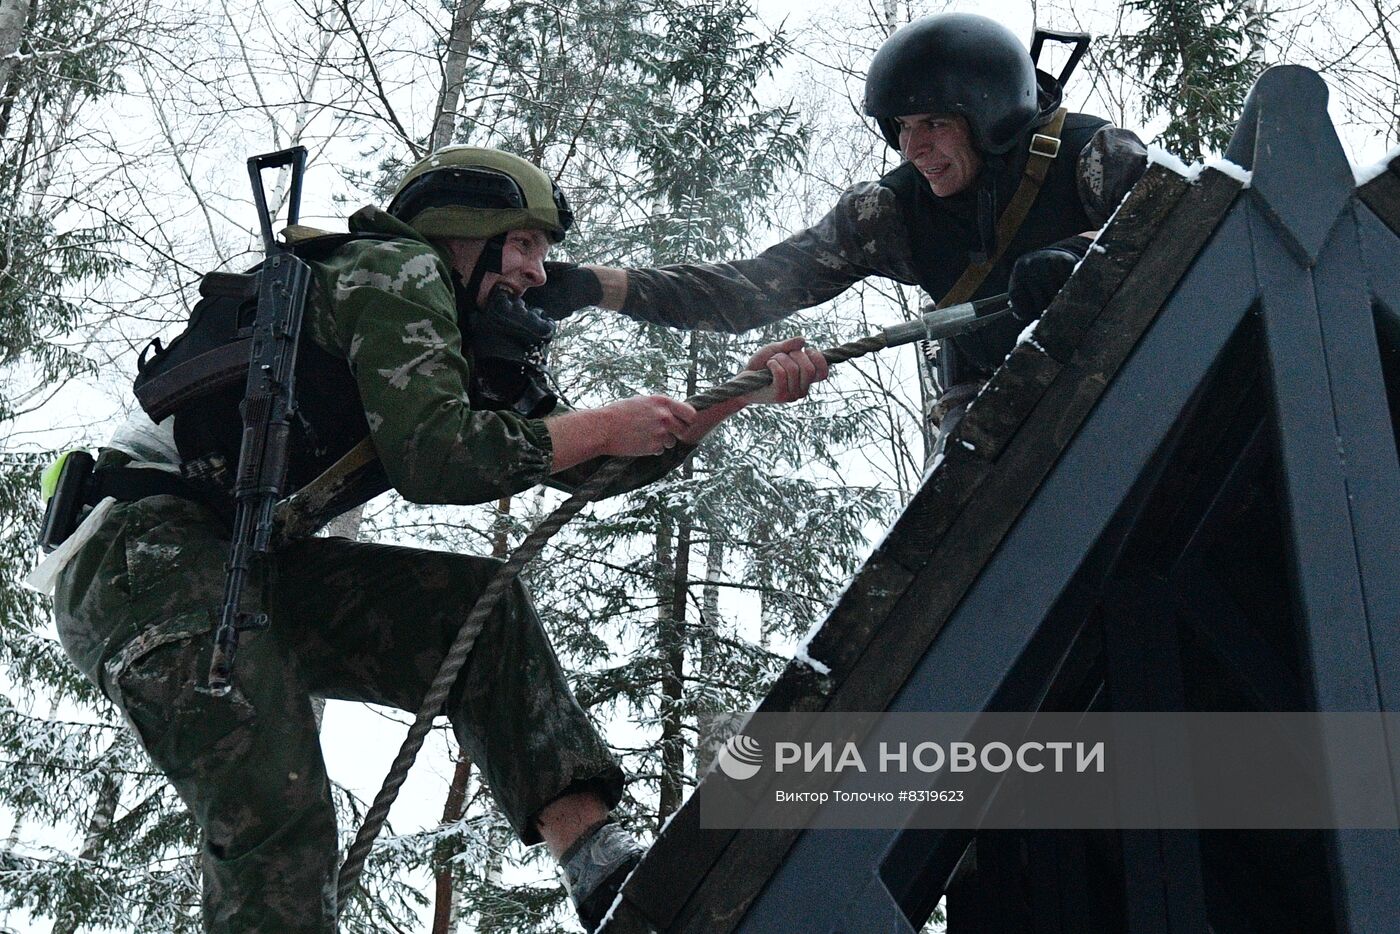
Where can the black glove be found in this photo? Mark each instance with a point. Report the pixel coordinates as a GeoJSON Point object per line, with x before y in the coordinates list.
{"type": "Point", "coordinates": [1039, 275]}
{"type": "Point", "coordinates": [508, 328]}
{"type": "Point", "coordinates": [508, 341]}
{"type": "Point", "coordinates": [567, 288]}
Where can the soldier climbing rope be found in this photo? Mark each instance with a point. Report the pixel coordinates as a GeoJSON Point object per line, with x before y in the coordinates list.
{"type": "Point", "coordinates": [931, 325]}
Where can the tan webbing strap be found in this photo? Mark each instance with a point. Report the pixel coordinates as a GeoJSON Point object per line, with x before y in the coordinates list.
{"type": "Point", "coordinates": [300, 514]}
{"type": "Point", "coordinates": [1045, 146]}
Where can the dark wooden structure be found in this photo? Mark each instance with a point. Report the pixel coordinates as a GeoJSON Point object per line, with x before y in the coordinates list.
{"type": "Point", "coordinates": [1182, 494]}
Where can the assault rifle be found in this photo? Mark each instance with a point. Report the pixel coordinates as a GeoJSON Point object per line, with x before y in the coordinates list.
{"type": "Point", "coordinates": [269, 404]}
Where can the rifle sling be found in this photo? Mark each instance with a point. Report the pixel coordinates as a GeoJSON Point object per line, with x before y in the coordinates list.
{"type": "Point", "coordinates": [129, 484]}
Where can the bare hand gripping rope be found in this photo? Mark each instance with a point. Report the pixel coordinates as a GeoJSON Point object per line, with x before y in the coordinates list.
{"type": "Point", "coordinates": [932, 325]}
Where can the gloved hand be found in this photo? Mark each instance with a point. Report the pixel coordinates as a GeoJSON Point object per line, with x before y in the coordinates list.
{"type": "Point", "coordinates": [567, 288]}
{"type": "Point", "coordinates": [1039, 275]}
{"type": "Point", "coordinates": [509, 329]}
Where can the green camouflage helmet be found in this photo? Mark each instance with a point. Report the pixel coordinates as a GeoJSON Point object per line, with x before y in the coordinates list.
{"type": "Point", "coordinates": [469, 193]}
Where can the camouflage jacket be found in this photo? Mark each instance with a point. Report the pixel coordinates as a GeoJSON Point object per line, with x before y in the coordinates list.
{"type": "Point", "coordinates": [866, 234]}
{"type": "Point", "coordinates": [387, 306]}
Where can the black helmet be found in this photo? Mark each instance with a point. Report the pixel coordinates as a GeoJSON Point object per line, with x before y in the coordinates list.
{"type": "Point", "coordinates": [955, 63]}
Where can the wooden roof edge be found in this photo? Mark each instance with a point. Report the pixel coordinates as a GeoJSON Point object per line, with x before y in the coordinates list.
{"type": "Point", "coordinates": [699, 880]}
{"type": "Point", "coordinates": [991, 421]}
{"type": "Point", "coordinates": [968, 536]}
{"type": "Point", "coordinates": [655, 894]}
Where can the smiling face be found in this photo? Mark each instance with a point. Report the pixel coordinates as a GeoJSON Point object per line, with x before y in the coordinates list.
{"type": "Point", "coordinates": [522, 264]}
{"type": "Point", "coordinates": [940, 146]}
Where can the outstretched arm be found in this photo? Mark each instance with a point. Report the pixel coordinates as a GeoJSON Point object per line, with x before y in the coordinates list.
{"type": "Point", "coordinates": [649, 425]}
{"type": "Point", "coordinates": [862, 235]}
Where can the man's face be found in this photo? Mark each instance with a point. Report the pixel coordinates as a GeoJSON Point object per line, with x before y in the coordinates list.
{"type": "Point", "coordinates": [940, 146]}
{"type": "Point", "coordinates": [522, 264]}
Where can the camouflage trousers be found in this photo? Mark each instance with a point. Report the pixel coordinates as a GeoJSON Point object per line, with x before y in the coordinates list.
{"type": "Point", "coordinates": [353, 621]}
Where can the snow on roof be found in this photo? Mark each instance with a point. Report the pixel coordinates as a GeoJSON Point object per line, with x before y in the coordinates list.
{"type": "Point", "coordinates": [802, 654]}
{"type": "Point", "coordinates": [1159, 156]}
{"type": "Point", "coordinates": [1367, 173]}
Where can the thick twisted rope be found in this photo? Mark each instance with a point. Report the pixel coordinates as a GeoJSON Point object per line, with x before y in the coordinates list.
{"type": "Point", "coordinates": [743, 384]}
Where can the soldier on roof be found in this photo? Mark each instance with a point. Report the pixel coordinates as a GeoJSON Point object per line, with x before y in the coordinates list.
{"type": "Point", "coordinates": [420, 340]}
{"type": "Point", "coordinates": [961, 100]}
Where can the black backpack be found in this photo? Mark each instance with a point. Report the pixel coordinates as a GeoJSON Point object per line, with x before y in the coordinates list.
{"type": "Point", "coordinates": [199, 378]}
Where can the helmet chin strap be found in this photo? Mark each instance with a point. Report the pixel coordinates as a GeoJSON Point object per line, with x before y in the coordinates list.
{"type": "Point", "coordinates": [489, 261]}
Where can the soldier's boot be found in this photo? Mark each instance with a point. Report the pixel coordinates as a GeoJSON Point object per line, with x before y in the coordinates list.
{"type": "Point", "coordinates": [595, 867]}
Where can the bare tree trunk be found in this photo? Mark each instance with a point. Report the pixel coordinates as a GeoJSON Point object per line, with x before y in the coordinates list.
{"type": "Point", "coordinates": [303, 117]}
{"type": "Point", "coordinates": [500, 535]}
{"type": "Point", "coordinates": [488, 919]}
{"type": "Point", "coordinates": [673, 676]}
{"type": "Point", "coordinates": [665, 639]}
{"type": "Point", "coordinates": [891, 16]}
{"type": "Point", "coordinates": [454, 72]}
{"type": "Point", "coordinates": [19, 156]}
{"type": "Point", "coordinates": [53, 145]}
{"type": "Point", "coordinates": [108, 797]}
{"type": "Point", "coordinates": [14, 72]}
{"type": "Point", "coordinates": [104, 809]}
{"type": "Point", "coordinates": [12, 838]}
{"type": "Point", "coordinates": [671, 636]}
{"type": "Point", "coordinates": [709, 600]}
{"type": "Point", "coordinates": [452, 811]}
{"type": "Point", "coordinates": [764, 609]}
{"type": "Point", "coordinates": [710, 626]}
